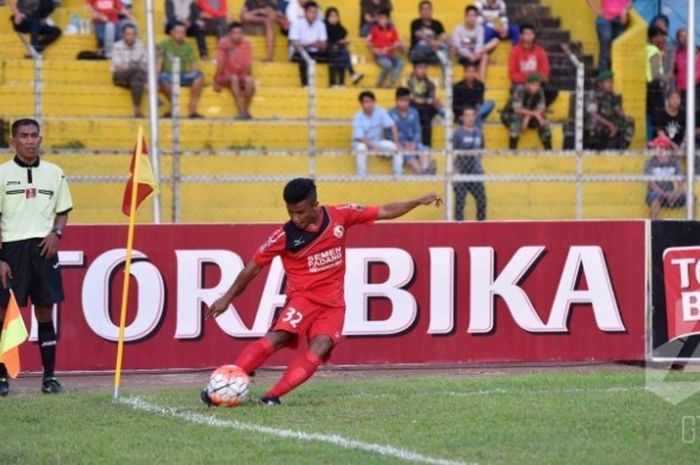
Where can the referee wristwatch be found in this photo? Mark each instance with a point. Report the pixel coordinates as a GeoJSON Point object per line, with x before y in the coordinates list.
{"type": "Point", "coordinates": [58, 232]}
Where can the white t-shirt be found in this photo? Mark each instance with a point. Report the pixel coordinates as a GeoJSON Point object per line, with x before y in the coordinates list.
{"type": "Point", "coordinates": [306, 34]}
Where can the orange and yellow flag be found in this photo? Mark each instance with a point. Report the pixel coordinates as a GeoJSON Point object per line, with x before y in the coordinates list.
{"type": "Point", "coordinates": [13, 334]}
{"type": "Point", "coordinates": [145, 182]}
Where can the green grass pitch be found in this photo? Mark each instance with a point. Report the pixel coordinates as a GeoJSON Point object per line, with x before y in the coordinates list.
{"type": "Point", "coordinates": [553, 417]}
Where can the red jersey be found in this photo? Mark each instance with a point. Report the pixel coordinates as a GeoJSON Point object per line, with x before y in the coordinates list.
{"type": "Point", "coordinates": [314, 261]}
{"type": "Point", "coordinates": [109, 8]}
{"type": "Point", "coordinates": [522, 62]}
{"type": "Point", "coordinates": [381, 38]}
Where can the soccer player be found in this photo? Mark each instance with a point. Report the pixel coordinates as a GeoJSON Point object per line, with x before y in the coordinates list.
{"type": "Point", "coordinates": [312, 248]}
{"type": "Point", "coordinates": [34, 206]}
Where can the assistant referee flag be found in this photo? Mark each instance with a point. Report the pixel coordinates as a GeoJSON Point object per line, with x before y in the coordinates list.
{"type": "Point", "coordinates": [13, 334]}
{"type": "Point", "coordinates": [146, 182]}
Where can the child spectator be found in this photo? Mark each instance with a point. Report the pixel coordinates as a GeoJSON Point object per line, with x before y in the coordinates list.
{"type": "Point", "coordinates": [234, 68]}
{"type": "Point", "coordinates": [190, 76]}
{"type": "Point", "coordinates": [130, 66]}
{"type": "Point", "coordinates": [493, 15]}
{"type": "Point", "coordinates": [310, 34]}
{"type": "Point", "coordinates": [407, 123]}
{"type": "Point", "coordinates": [529, 57]}
{"type": "Point", "coordinates": [682, 65]}
{"type": "Point", "coordinates": [663, 193]}
{"type": "Point", "coordinates": [526, 109]}
{"type": "Point", "coordinates": [264, 13]}
{"type": "Point", "coordinates": [187, 12]}
{"type": "Point", "coordinates": [369, 9]}
{"type": "Point", "coordinates": [469, 92]}
{"type": "Point", "coordinates": [424, 99]}
{"type": "Point", "coordinates": [468, 42]}
{"type": "Point", "coordinates": [612, 17]}
{"type": "Point", "coordinates": [428, 37]}
{"type": "Point", "coordinates": [605, 124]}
{"type": "Point", "coordinates": [670, 122]}
{"type": "Point", "coordinates": [105, 20]}
{"type": "Point", "coordinates": [383, 40]}
{"type": "Point", "coordinates": [33, 17]}
{"type": "Point", "coordinates": [338, 54]}
{"type": "Point", "coordinates": [469, 137]}
{"type": "Point", "coordinates": [214, 13]}
{"type": "Point", "coordinates": [368, 129]}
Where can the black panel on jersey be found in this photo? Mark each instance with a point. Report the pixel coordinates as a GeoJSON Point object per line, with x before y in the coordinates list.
{"type": "Point", "coordinates": [298, 238]}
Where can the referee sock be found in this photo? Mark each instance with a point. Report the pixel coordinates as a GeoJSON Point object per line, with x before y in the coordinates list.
{"type": "Point", "coordinates": [3, 370]}
{"type": "Point", "coordinates": [255, 355]}
{"type": "Point", "coordinates": [47, 346]}
{"type": "Point", "coordinates": [300, 370]}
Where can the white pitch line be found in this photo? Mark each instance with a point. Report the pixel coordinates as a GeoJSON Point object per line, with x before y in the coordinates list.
{"type": "Point", "coordinates": [138, 403]}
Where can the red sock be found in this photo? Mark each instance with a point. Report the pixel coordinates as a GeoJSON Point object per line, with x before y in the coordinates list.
{"type": "Point", "coordinates": [297, 373]}
{"type": "Point", "coordinates": [255, 355]}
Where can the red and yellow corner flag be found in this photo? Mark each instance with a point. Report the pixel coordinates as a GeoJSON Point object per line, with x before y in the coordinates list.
{"type": "Point", "coordinates": [13, 334]}
{"type": "Point", "coordinates": [141, 174]}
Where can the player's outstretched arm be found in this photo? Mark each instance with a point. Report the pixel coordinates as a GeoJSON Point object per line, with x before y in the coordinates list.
{"type": "Point", "coordinates": [221, 304]}
{"type": "Point", "coordinates": [397, 209]}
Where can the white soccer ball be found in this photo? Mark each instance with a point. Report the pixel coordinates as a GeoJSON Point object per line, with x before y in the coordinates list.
{"type": "Point", "coordinates": [228, 386]}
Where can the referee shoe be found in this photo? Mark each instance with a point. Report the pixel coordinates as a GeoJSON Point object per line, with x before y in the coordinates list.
{"type": "Point", "coordinates": [4, 387]}
{"type": "Point", "coordinates": [51, 386]}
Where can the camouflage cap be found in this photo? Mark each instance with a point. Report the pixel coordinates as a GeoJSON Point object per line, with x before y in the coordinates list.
{"type": "Point", "coordinates": [604, 75]}
{"type": "Point", "coordinates": [533, 77]}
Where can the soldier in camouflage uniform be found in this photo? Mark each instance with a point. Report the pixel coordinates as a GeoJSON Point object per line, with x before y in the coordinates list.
{"type": "Point", "coordinates": [526, 109]}
{"type": "Point", "coordinates": [606, 127]}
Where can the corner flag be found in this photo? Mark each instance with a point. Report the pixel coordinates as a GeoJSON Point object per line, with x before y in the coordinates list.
{"type": "Point", "coordinates": [13, 334]}
{"type": "Point", "coordinates": [141, 174]}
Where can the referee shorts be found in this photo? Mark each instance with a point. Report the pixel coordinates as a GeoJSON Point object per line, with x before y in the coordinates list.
{"type": "Point", "coordinates": [33, 276]}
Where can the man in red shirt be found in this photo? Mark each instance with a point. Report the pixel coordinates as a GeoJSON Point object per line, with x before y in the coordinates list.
{"type": "Point", "coordinates": [312, 248]}
{"type": "Point", "coordinates": [234, 63]}
{"type": "Point", "coordinates": [528, 57]}
{"type": "Point", "coordinates": [105, 19]}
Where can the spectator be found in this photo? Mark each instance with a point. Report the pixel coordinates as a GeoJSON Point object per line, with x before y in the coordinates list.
{"type": "Point", "coordinates": [668, 49]}
{"type": "Point", "coordinates": [663, 193]}
{"type": "Point", "coordinates": [29, 16]}
{"type": "Point", "coordinates": [469, 92]}
{"type": "Point", "coordinates": [656, 78]}
{"type": "Point", "coordinates": [369, 9]}
{"type": "Point", "coordinates": [309, 34]}
{"type": "Point", "coordinates": [384, 41]}
{"type": "Point", "coordinates": [529, 57]}
{"type": "Point", "coordinates": [234, 65]}
{"type": "Point", "coordinates": [526, 109]}
{"type": "Point", "coordinates": [428, 37]}
{"type": "Point", "coordinates": [670, 122]}
{"type": "Point", "coordinates": [605, 123]}
{"type": "Point", "coordinates": [214, 13]}
{"type": "Point", "coordinates": [190, 75]}
{"type": "Point", "coordinates": [368, 127]}
{"type": "Point", "coordinates": [338, 54]}
{"type": "Point", "coordinates": [296, 10]}
{"type": "Point", "coordinates": [105, 20]}
{"type": "Point", "coordinates": [187, 12]}
{"type": "Point", "coordinates": [264, 13]}
{"type": "Point", "coordinates": [468, 42]}
{"type": "Point", "coordinates": [469, 137]}
{"type": "Point", "coordinates": [130, 66]}
{"type": "Point", "coordinates": [493, 15]}
{"type": "Point", "coordinates": [424, 99]}
{"type": "Point", "coordinates": [682, 65]}
{"type": "Point", "coordinates": [612, 17]}
{"type": "Point", "coordinates": [407, 123]}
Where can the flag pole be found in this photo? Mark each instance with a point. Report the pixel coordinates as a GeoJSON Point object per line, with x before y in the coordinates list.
{"type": "Point", "coordinates": [127, 265]}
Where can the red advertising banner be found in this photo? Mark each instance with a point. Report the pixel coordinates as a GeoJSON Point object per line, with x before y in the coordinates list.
{"type": "Point", "coordinates": [415, 293]}
{"type": "Point", "coordinates": [682, 285]}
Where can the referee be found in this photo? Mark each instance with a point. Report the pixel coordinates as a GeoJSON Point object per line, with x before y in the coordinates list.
{"type": "Point", "coordinates": [34, 206]}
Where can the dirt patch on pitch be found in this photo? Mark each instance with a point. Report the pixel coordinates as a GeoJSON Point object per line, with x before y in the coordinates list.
{"type": "Point", "coordinates": [144, 381]}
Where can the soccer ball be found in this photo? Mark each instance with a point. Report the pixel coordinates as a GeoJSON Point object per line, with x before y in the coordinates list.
{"type": "Point", "coordinates": [228, 386]}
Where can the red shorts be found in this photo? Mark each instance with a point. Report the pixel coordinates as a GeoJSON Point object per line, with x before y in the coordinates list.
{"type": "Point", "coordinates": [305, 318]}
{"type": "Point", "coordinates": [224, 80]}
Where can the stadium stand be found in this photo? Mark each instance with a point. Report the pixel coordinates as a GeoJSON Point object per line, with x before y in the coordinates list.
{"type": "Point", "coordinates": [83, 109]}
